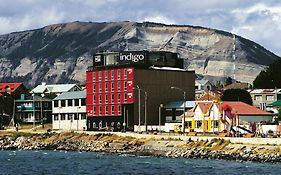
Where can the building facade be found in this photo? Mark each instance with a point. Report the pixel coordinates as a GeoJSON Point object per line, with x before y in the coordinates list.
{"type": "Point", "coordinates": [122, 86]}
{"type": "Point", "coordinates": [33, 109]}
{"type": "Point", "coordinates": [69, 111]}
{"type": "Point", "coordinates": [263, 97]}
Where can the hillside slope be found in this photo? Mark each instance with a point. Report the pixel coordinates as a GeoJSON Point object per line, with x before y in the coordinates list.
{"type": "Point", "coordinates": [60, 53]}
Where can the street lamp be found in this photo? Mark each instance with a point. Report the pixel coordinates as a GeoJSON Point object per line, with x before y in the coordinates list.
{"type": "Point", "coordinates": [77, 118]}
{"type": "Point", "coordinates": [42, 118]}
{"type": "Point", "coordinates": [145, 107]}
{"type": "Point", "coordinates": [33, 109]}
{"type": "Point", "coordinates": [184, 99]}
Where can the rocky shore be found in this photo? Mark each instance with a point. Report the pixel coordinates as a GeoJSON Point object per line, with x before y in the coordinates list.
{"type": "Point", "coordinates": [215, 148]}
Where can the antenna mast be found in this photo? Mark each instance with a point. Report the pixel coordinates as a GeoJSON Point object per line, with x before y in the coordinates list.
{"type": "Point", "coordinates": [234, 58]}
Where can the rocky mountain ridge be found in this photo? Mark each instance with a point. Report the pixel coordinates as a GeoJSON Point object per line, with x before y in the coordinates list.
{"type": "Point", "coordinates": [61, 53]}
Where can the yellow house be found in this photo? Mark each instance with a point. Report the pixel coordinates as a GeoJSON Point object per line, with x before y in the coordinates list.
{"type": "Point", "coordinates": [204, 117]}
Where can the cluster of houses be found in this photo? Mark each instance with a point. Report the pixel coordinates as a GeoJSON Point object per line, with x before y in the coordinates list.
{"type": "Point", "coordinates": [136, 91]}
{"type": "Point", "coordinates": [64, 105]}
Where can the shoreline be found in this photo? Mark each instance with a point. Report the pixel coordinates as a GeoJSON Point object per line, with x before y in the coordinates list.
{"type": "Point", "coordinates": [173, 147]}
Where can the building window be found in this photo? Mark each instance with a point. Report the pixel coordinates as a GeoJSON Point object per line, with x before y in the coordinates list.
{"type": "Point", "coordinates": [76, 102]}
{"type": "Point", "coordinates": [106, 74]}
{"type": "Point", "coordinates": [83, 116]}
{"type": "Point", "coordinates": [119, 98]}
{"type": "Point", "coordinates": [46, 104]}
{"type": "Point", "coordinates": [119, 109]}
{"type": "Point", "coordinates": [112, 86]}
{"type": "Point", "coordinates": [258, 97]}
{"type": "Point", "coordinates": [125, 85]}
{"type": "Point", "coordinates": [112, 109]}
{"type": "Point", "coordinates": [100, 87]}
{"type": "Point", "coordinates": [69, 102]}
{"type": "Point", "coordinates": [94, 76]}
{"type": "Point", "coordinates": [94, 87]}
{"type": "Point", "coordinates": [198, 124]}
{"type": "Point", "coordinates": [112, 75]}
{"type": "Point", "coordinates": [62, 116]}
{"type": "Point", "coordinates": [94, 99]}
{"type": "Point", "coordinates": [56, 117]}
{"type": "Point", "coordinates": [125, 97]}
{"type": "Point", "coordinates": [112, 98]}
{"type": "Point", "coordinates": [70, 117]}
{"type": "Point", "coordinates": [62, 103]}
{"type": "Point", "coordinates": [94, 110]}
{"type": "Point", "coordinates": [76, 116]}
{"type": "Point", "coordinates": [119, 85]}
{"type": "Point", "coordinates": [56, 103]}
{"type": "Point", "coordinates": [83, 102]}
{"type": "Point", "coordinates": [106, 109]}
{"type": "Point", "coordinates": [125, 73]}
{"type": "Point", "coordinates": [106, 87]}
{"type": "Point", "coordinates": [100, 99]}
{"type": "Point", "coordinates": [106, 98]}
{"type": "Point", "coordinates": [188, 124]}
{"type": "Point", "coordinates": [269, 98]}
{"type": "Point", "coordinates": [100, 110]}
{"type": "Point", "coordinates": [215, 123]}
{"type": "Point", "coordinates": [99, 74]}
{"type": "Point", "coordinates": [118, 73]}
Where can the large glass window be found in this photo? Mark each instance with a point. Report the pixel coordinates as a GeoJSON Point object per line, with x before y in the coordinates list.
{"type": "Point", "coordinates": [62, 116]}
{"type": "Point", "coordinates": [62, 102]}
{"type": "Point", "coordinates": [258, 97]}
{"type": "Point", "coordinates": [83, 116]}
{"type": "Point", "coordinates": [56, 103]}
{"type": "Point", "coordinates": [76, 116]}
{"type": "Point", "coordinates": [56, 117]}
{"type": "Point", "coordinates": [69, 102]}
{"type": "Point", "coordinates": [112, 75]}
{"type": "Point", "coordinates": [76, 102]}
{"type": "Point", "coordinates": [83, 102]}
{"type": "Point", "coordinates": [199, 124]}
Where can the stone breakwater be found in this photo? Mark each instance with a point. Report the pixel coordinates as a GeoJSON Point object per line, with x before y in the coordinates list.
{"type": "Point", "coordinates": [111, 143]}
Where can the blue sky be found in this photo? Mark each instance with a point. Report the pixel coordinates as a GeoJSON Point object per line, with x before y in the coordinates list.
{"type": "Point", "coordinates": [257, 20]}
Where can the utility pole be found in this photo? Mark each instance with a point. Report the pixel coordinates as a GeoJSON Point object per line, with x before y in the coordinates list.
{"type": "Point", "coordinates": [184, 106]}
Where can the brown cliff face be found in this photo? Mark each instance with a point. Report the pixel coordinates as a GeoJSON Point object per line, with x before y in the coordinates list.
{"type": "Point", "coordinates": [60, 53]}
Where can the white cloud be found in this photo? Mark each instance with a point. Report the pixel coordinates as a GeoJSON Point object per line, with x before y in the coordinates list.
{"type": "Point", "coordinates": [257, 20]}
{"type": "Point", "coordinates": [159, 19]}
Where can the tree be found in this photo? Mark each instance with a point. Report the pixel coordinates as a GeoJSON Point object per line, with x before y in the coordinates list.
{"type": "Point", "coordinates": [279, 115]}
{"type": "Point", "coordinates": [237, 95]}
{"type": "Point", "coordinates": [228, 81]}
{"type": "Point", "coordinates": [269, 78]}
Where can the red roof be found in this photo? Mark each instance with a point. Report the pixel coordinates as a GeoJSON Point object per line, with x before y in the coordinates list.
{"type": "Point", "coordinates": [241, 108]}
{"type": "Point", "coordinates": [12, 86]}
{"type": "Point", "coordinates": [205, 106]}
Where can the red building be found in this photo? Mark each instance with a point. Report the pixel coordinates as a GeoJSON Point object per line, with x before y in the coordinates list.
{"type": "Point", "coordinates": [110, 86]}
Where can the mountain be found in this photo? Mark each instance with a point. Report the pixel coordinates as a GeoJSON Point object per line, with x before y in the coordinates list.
{"type": "Point", "coordinates": [60, 53]}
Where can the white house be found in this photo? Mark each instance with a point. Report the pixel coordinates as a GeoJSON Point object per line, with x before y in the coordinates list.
{"type": "Point", "coordinates": [69, 111]}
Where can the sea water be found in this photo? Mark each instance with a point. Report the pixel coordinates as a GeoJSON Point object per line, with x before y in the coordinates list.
{"type": "Point", "coordinates": [63, 162]}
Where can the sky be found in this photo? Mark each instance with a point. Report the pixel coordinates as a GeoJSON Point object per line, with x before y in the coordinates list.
{"type": "Point", "coordinates": [257, 20]}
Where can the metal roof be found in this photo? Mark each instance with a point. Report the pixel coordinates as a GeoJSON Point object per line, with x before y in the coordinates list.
{"type": "Point", "coordinates": [265, 91]}
{"type": "Point", "coordinates": [276, 103]}
{"type": "Point", "coordinates": [53, 88]}
{"type": "Point", "coordinates": [71, 95]}
{"type": "Point", "coordinates": [180, 104]}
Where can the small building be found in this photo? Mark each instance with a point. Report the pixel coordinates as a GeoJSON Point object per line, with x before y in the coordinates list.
{"type": "Point", "coordinates": [8, 93]}
{"type": "Point", "coordinates": [33, 109]}
{"type": "Point", "coordinates": [263, 97]}
{"type": "Point", "coordinates": [69, 111]}
{"type": "Point", "coordinates": [201, 85]}
{"type": "Point", "coordinates": [212, 117]}
{"type": "Point", "coordinates": [173, 112]}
